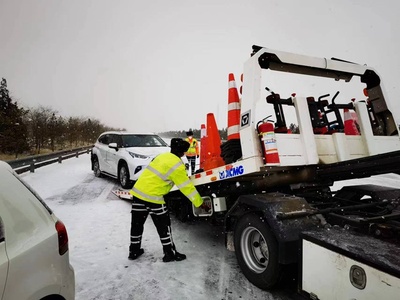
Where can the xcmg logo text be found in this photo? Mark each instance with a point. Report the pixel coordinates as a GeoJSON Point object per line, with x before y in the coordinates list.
{"type": "Point", "coordinates": [231, 172]}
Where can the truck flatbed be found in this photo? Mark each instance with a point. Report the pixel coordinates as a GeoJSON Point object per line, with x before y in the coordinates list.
{"type": "Point", "coordinates": [272, 177]}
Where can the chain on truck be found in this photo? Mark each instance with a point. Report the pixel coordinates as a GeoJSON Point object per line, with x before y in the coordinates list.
{"type": "Point", "coordinates": [273, 189]}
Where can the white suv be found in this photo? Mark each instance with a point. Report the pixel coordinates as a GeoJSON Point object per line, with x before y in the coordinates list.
{"type": "Point", "coordinates": [124, 155]}
{"type": "Point", "coordinates": [34, 256]}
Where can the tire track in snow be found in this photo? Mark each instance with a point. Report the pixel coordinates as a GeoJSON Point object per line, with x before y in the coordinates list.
{"type": "Point", "coordinates": [90, 189]}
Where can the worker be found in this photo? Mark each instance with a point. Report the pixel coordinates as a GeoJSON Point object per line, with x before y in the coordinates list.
{"type": "Point", "coordinates": [157, 179]}
{"type": "Point", "coordinates": [193, 151]}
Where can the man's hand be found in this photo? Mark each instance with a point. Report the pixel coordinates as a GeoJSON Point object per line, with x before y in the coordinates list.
{"type": "Point", "coordinates": [205, 207]}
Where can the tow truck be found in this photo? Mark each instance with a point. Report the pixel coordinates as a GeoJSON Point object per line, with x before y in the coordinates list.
{"type": "Point", "coordinates": [278, 213]}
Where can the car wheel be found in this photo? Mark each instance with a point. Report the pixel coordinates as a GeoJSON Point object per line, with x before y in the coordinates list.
{"type": "Point", "coordinates": [96, 167]}
{"type": "Point", "coordinates": [124, 177]}
{"type": "Point", "coordinates": [257, 251]}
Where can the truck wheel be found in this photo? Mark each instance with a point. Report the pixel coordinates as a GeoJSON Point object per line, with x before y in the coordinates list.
{"type": "Point", "coordinates": [257, 251]}
{"type": "Point", "coordinates": [124, 177]}
{"type": "Point", "coordinates": [96, 167]}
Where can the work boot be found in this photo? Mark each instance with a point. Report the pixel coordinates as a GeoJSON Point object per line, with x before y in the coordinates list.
{"type": "Point", "coordinates": [169, 256]}
{"type": "Point", "coordinates": [136, 254]}
{"type": "Point", "coordinates": [179, 256]}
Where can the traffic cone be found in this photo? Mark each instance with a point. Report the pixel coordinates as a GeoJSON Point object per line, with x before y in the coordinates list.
{"type": "Point", "coordinates": [213, 157]}
{"type": "Point", "coordinates": [233, 109]}
{"type": "Point", "coordinates": [203, 145]}
{"type": "Point", "coordinates": [350, 127]}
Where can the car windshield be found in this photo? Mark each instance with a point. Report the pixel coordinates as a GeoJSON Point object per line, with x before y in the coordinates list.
{"type": "Point", "coordinates": [142, 140]}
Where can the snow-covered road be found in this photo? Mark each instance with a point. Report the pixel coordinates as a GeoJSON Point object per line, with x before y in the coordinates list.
{"type": "Point", "coordinates": [98, 225]}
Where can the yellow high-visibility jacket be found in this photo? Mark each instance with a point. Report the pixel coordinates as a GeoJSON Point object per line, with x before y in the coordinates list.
{"type": "Point", "coordinates": [159, 177]}
{"type": "Point", "coordinates": [193, 148]}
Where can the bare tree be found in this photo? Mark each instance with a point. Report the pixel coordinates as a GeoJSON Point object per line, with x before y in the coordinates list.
{"type": "Point", "coordinates": [72, 133]}
{"type": "Point", "coordinates": [40, 128]}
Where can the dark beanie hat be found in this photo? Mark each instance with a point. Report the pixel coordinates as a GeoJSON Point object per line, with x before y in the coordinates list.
{"type": "Point", "coordinates": [179, 145]}
{"type": "Point", "coordinates": [189, 133]}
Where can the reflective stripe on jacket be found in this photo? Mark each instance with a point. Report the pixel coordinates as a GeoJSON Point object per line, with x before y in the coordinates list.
{"type": "Point", "coordinates": [193, 148]}
{"type": "Point", "coordinates": [165, 171]}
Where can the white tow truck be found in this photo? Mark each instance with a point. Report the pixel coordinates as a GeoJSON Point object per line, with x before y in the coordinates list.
{"type": "Point", "coordinates": [345, 243]}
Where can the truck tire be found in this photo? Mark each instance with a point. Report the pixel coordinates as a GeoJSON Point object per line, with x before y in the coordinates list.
{"type": "Point", "coordinates": [256, 251]}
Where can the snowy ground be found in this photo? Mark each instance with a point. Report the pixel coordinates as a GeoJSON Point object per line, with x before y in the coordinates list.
{"type": "Point", "coordinates": [98, 225]}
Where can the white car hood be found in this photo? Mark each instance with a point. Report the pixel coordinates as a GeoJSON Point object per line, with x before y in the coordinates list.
{"type": "Point", "coordinates": [148, 151]}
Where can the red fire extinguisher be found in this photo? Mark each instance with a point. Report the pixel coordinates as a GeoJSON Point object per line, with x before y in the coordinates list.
{"type": "Point", "coordinates": [268, 140]}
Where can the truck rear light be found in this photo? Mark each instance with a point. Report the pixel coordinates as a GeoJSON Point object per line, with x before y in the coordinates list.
{"type": "Point", "coordinates": [62, 237]}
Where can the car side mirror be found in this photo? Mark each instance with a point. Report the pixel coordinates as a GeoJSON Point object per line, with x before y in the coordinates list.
{"type": "Point", "coordinates": [113, 146]}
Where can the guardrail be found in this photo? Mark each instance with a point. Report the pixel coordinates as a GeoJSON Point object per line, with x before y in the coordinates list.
{"type": "Point", "coordinates": [33, 162]}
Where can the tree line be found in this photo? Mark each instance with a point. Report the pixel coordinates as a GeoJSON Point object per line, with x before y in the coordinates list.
{"type": "Point", "coordinates": [32, 130]}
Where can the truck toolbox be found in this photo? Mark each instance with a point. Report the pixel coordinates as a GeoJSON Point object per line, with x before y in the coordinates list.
{"type": "Point", "coordinates": [341, 264]}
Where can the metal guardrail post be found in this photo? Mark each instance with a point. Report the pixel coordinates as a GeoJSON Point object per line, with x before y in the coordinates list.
{"type": "Point", "coordinates": [60, 159]}
{"type": "Point", "coordinates": [32, 168]}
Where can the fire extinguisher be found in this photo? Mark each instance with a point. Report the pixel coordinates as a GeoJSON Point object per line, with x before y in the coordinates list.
{"type": "Point", "coordinates": [266, 132]}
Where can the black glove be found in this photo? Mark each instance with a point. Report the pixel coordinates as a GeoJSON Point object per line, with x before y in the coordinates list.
{"type": "Point", "coordinates": [205, 207]}
{"type": "Point", "coordinates": [197, 156]}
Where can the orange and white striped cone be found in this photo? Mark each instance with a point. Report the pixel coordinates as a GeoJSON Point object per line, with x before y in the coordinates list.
{"type": "Point", "coordinates": [233, 109]}
{"type": "Point", "coordinates": [213, 155]}
{"type": "Point", "coordinates": [350, 127]}
{"type": "Point", "coordinates": [203, 145]}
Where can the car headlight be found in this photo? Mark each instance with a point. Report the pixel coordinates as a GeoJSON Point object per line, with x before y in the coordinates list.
{"type": "Point", "coordinates": [135, 155]}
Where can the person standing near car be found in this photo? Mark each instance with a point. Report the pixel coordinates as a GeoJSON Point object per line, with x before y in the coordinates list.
{"type": "Point", "coordinates": [193, 152]}
{"type": "Point", "coordinates": [157, 179]}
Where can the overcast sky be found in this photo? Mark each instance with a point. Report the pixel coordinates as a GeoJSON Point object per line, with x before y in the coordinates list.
{"type": "Point", "coordinates": [163, 65]}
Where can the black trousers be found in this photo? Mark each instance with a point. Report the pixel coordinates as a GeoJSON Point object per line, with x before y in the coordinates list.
{"type": "Point", "coordinates": [160, 215]}
{"type": "Point", "coordinates": [192, 162]}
